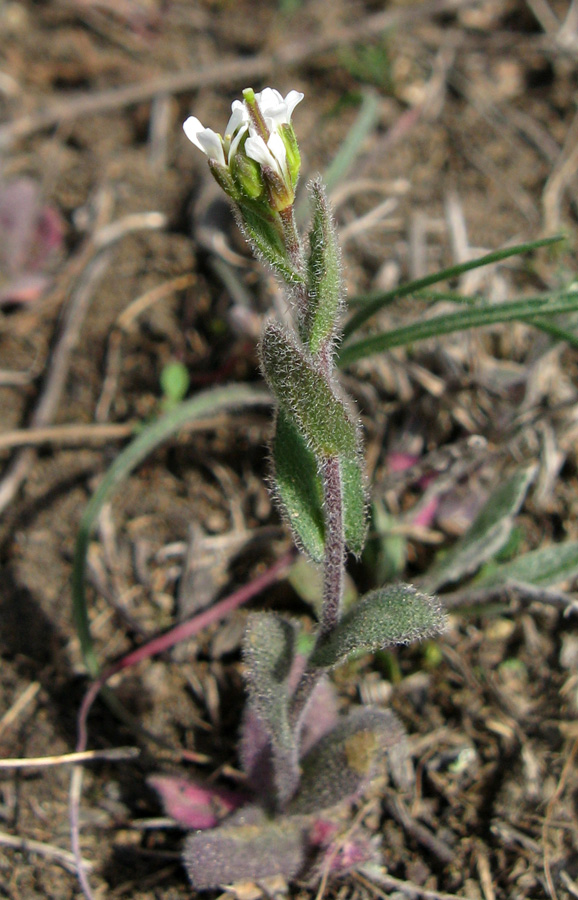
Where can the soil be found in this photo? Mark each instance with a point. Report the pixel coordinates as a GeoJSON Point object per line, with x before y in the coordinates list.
{"type": "Point", "coordinates": [473, 146]}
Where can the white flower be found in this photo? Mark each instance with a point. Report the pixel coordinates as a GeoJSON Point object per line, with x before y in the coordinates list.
{"type": "Point", "coordinates": [272, 154]}
{"type": "Point", "coordinates": [212, 144]}
{"type": "Point", "coordinates": [276, 112]}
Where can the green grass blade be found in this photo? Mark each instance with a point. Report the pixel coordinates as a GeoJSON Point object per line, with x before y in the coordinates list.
{"type": "Point", "coordinates": [206, 404]}
{"type": "Point", "coordinates": [349, 150]}
{"type": "Point", "coordinates": [370, 304]}
{"type": "Point", "coordinates": [556, 331]}
{"type": "Point", "coordinates": [472, 317]}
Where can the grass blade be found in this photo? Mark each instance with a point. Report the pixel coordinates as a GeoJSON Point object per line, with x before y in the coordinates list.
{"type": "Point", "coordinates": [372, 303]}
{"type": "Point", "coordinates": [472, 317]}
{"type": "Point", "coordinates": [207, 403]}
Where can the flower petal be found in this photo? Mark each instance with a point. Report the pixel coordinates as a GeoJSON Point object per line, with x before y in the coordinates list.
{"type": "Point", "coordinates": [235, 142]}
{"type": "Point", "coordinates": [239, 116]}
{"type": "Point", "coordinates": [291, 101]}
{"type": "Point", "coordinates": [257, 149]}
{"type": "Point", "coordinates": [267, 99]}
{"type": "Point", "coordinates": [205, 139]}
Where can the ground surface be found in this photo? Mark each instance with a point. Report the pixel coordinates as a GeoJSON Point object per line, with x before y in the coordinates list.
{"type": "Point", "coordinates": [474, 146]}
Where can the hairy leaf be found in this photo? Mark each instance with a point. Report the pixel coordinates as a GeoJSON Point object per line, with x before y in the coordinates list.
{"type": "Point", "coordinates": [488, 533]}
{"type": "Point", "coordinates": [194, 805]}
{"type": "Point", "coordinates": [397, 614]}
{"type": "Point", "coordinates": [298, 487]}
{"type": "Point", "coordinates": [307, 396]}
{"type": "Point", "coordinates": [269, 651]}
{"type": "Point", "coordinates": [324, 274]}
{"type": "Point", "coordinates": [355, 517]}
{"type": "Point", "coordinates": [544, 567]}
{"type": "Point", "coordinates": [267, 243]}
{"type": "Point", "coordinates": [300, 493]}
{"type": "Point", "coordinates": [245, 852]}
{"type": "Point", "coordinates": [256, 755]}
{"type": "Point", "coordinates": [344, 761]}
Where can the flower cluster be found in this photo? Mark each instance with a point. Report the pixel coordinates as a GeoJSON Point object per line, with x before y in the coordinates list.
{"type": "Point", "coordinates": [258, 153]}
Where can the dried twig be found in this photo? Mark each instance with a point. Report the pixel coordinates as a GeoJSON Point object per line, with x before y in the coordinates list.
{"type": "Point", "coordinates": [48, 851]}
{"type": "Point", "coordinates": [98, 254]}
{"type": "Point", "coordinates": [71, 759]}
{"type": "Point", "coordinates": [371, 877]}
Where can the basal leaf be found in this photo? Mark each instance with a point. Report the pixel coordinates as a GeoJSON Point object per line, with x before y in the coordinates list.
{"type": "Point", "coordinates": [344, 761]}
{"type": "Point", "coordinates": [269, 651]}
{"type": "Point", "coordinates": [245, 852]}
{"type": "Point", "coordinates": [544, 567]}
{"type": "Point", "coordinates": [488, 533]}
{"type": "Point", "coordinates": [397, 614]}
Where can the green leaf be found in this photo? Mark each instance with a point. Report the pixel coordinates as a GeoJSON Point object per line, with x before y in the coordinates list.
{"type": "Point", "coordinates": [175, 381]}
{"type": "Point", "coordinates": [307, 396]}
{"type": "Point", "coordinates": [487, 534]}
{"type": "Point", "coordinates": [298, 487]}
{"type": "Point", "coordinates": [397, 614]}
{"type": "Point", "coordinates": [299, 492]}
{"type": "Point", "coordinates": [525, 310]}
{"type": "Point", "coordinates": [268, 243]}
{"type": "Point", "coordinates": [355, 517]}
{"type": "Point", "coordinates": [249, 851]}
{"type": "Point", "coordinates": [544, 567]}
{"type": "Point", "coordinates": [343, 762]}
{"type": "Point", "coordinates": [324, 274]}
{"type": "Point", "coordinates": [373, 303]}
{"type": "Point", "coordinates": [269, 651]}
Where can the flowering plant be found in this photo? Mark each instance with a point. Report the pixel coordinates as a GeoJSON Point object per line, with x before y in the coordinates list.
{"type": "Point", "coordinates": [302, 761]}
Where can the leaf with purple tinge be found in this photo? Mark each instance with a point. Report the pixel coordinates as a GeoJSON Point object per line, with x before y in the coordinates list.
{"type": "Point", "coordinates": [195, 806]}
{"type": "Point", "coordinates": [269, 652]}
{"type": "Point", "coordinates": [31, 234]}
{"type": "Point", "coordinates": [345, 760]}
{"type": "Point", "coordinates": [256, 848]}
{"type": "Point", "coordinates": [320, 716]}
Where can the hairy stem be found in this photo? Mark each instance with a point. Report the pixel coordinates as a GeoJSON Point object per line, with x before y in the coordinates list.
{"type": "Point", "coordinates": [334, 570]}
{"type": "Point", "coordinates": [334, 546]}
{"type": "Point", "coordinates": [295, 251]}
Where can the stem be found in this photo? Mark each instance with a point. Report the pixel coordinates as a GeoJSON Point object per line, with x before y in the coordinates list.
{"type": "Point", "coordinates": [334, 569]}
{"type": "Point", "coordinates": [295, 252]}
{"type": "Point", "coordinates": [334, 546]}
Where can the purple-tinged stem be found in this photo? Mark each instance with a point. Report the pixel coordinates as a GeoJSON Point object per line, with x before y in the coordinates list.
{"type": "Point", "coordinates": [334, 546]}
{"type": "Point", "coordinates": [333, 579]}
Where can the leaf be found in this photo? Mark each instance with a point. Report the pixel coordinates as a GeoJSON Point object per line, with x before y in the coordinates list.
{"type": "Point", "coordinates": [488, 533]}
{"type": "Point", "coordinates": [269, 651]}
{"type": "Point", "coordinates": [267, 243]}
{"type": "Point", "coordinates": [397, 614]}
{"type": "Point", "coordinates": [544, 567]}
{"type": "Point", "coordinates": [320, 716]}
{"type": "Point", "coordinates": [245, 852]}
{"type": "Point", "coordinates": [298, 487]}
{"type": "Point", "coordinates": [526, 310]}
{"type": "Point", "coordinates": [355, 515]}
{"type": "Point", "coordinates": [373, 303]}
{"type": "Point", "coordinates": [307, 396]}
{"type": "Point", "coordinates": [299, 492]}
{"type": "Point", "coordinates": [344, 761]}
{"type": "Point", "coordinates": [193, 805]}
{"type": "Point", "coordinates": [324, 274]}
